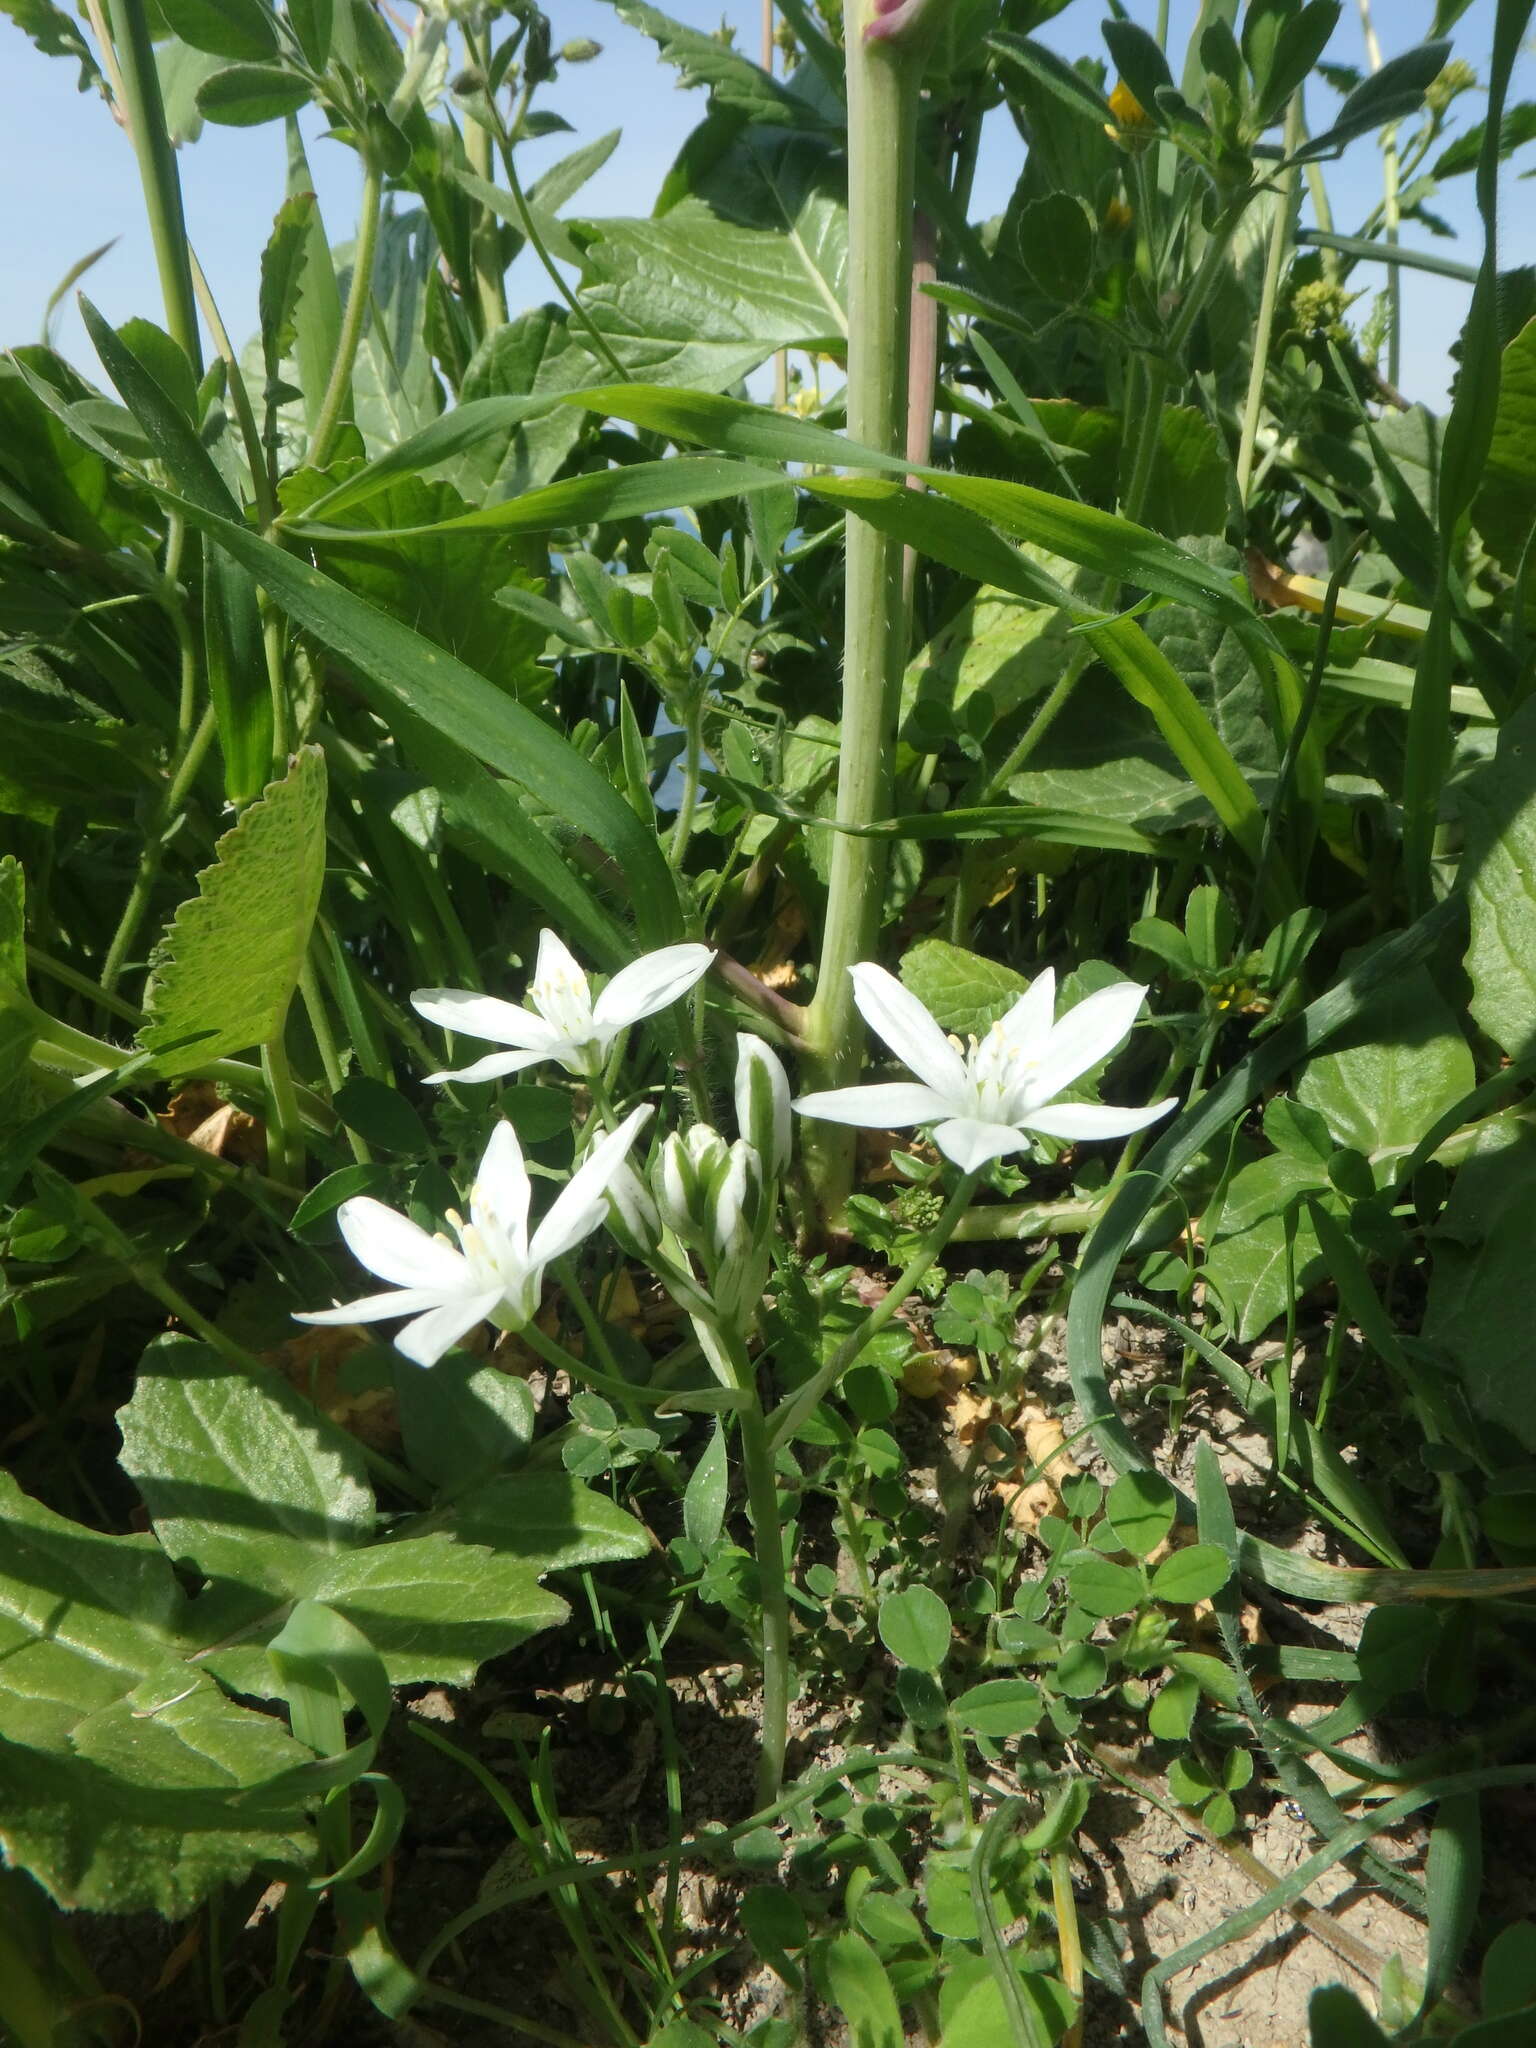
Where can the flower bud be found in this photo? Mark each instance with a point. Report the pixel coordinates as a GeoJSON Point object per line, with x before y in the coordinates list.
{"type": "Point", "coordinates": [673, 1182]}
{"type": "Point", "coordinates": [580, 50]}
{"type": "Point", "coordinates": [762, 1103]}
{"type": "Point", "coordinates": [729, 1194]}
{"type": "Point", "coordinates": [632, 1213]}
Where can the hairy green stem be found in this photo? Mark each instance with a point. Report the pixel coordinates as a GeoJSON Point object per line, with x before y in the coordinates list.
{"type": "Point", "coordinates": [144, 112]}
{"type": "Point", "coordinates": [1274, 263]}
{"type": "Point", "coordinates": [485, 240]}
{"type": "Point", "coordinates": [359, 292]}
{"type": "Point", "coordinates": [1391, 208]}
{"type": "Point", "coordinates": [153, 852]}
{"type": "Point", "coordinates": [285, 1130]}
{"type": "Point", "coordinates": [688, 799]}
{"type": "Point", "coordinates": [882, 132]}
{"type": "Point", "coordinates": [773, 1584]}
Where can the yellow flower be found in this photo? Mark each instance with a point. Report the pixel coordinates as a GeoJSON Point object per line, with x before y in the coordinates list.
{"type": "Point", "coordinates": [1128, 111]}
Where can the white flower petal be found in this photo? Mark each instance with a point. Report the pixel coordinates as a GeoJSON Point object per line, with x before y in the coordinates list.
{"type": "Point", "coordinates": [908, 1029]}
{"type": "Point", "coordinates": [502, 1191]}
{"type": "Point", "coordinates": [583, 1202]}
{"type": "Point", "coordinates": [1028, 1024]}
{"type": "Point", "coordinates": [1086, 1120]}
{"type": "Point", "coordinates": [1087, 1034]}
{"type": "Point", "coordinates": [648, 985]}
{"type": "Point", "coordinates": [472, 1016]}
{"type": "Point", "coordinates": [374, 1308]}
{"type": "Point", "coordinates": [397, 1249]}
{"type": "Point", "coordinates": [424, 1341]}
{"type": "Point", "coordinates": [878, 1106]}
{"type": "Point", "coordinates": [493, 1067]}
{"type": "Point", "coordinates": [557, 963]}
{"type": "Point", "coordinates": [970, 1142]}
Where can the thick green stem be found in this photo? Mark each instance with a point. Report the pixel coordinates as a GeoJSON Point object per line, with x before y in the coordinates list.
{"type": "Point", "coordinates": [1391, 207]}
{"type": "Point", "coordinates": [778, 1671]}
{"type": "Point", "coordinates": [144, 113]}
{"type": "Point", "coordinates": [1274, 263]}
{"type": "Point", "coordinates": [485, 240]}
{"type": "Point", "coordinates": [688, 801]}
{"type": "Point", "coordinates": [882, 129]}
{"type": "Point", "coordinates": [339, 384]}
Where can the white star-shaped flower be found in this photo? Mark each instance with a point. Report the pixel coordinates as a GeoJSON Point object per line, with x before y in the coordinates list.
{"type": "Point", "coordinates": [496, 1272]}
{"type": "Point", "coordinates": [991, 1099]}
{"type": "Point", "coordinates": [562, 1021]}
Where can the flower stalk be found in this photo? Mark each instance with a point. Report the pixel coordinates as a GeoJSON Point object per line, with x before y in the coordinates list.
{"type": "Point", "coordinates": [883, 69]}
{"type": "Point", "coordinates": [144, 112]}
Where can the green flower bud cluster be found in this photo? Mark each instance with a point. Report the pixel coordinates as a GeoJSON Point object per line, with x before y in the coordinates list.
{"type": "Point", "coordinates": [1319, 308]}
{"type": "Point", "coordinates": [1457, 77]}
{"type": "Point", "coordinates": [715, 1200]}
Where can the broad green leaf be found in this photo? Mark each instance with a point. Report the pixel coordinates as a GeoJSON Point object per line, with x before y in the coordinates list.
{"type": "Point", "coordinates": [395, 389]}
{"type": "Point", "coordinates": [1081, 1670]}
{"type": "Point", "coordinates": [243, 1480]}
{"type": "Point", "coordinates": [246, 95]}
{"type": "Point", "coordinates": [966, 992]}
{"type": "Point", "coordinates": [1003, 644]}
{"type": "Point", "coordinates": [94, 769]}
{"type": "Point", "coordinates": [704, 1496]}
{"type": "Point", "coordinates": [1337, 2019]}
{"type": "Point", "coordinates": [548, 1518]}
{"type": "Point", "coordinates": [537, 356]}
{"type": "Point", "coordinates": [1140, 1508]}
{"type": "Point", "coordinates": [704, 59]}
{"type": "Point", "coordinates": [436, 1609]}
{"type": "Point", "coordinates": [54, 32]}
{"type": "Point", "coordinates": [1172, 1713]}
{"type": "Point", "coordinates": [120, 1765]}
{"type": "Point", "coordinates": [915, 1627]}
{"type": "Point", "coordinates": [463, 1419]}
{"type": "Point", "coordinates": [270, 1503]}
{"type": "Point", "coordinates": [1102, 1588]}
{"type": "Point", "coordinates": [227, 28]}
{"type": "Point", "coordinates": [697, 301]}
{"type": "Point", "coordinates": [857, 1987]}
{"type": "Point", "coordinates": [1504, 510]}
{"type": "Point", "coordinates": [1191, 1575]}
{"type": "Point", "coordinates": [1509, 1970]}
{"type": "Point", "coordinates": [1059, 78]}
{"type": "Point", "coordinates": [464, 720]}
{"type": "Point", "coordinates": [229, 961]}
{"type": "Point", "coordinates": [1401, 1065]}
{"type": "Point", "coordinates": [442, 585]}
{"type": "Point", "coordinates": [283, 264]}
{"type": "Point", "coordinates": [1246, 1259]}
{"type": "Point", "coordinates": [317, 320]}
{"type": "Point", "coordinates": [1478, 1313]}
{"type": "Point", "coordinates": [1000, 1707]}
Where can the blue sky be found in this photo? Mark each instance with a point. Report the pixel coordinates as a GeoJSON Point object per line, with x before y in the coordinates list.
{"type": "Point", "coordinates": [72, 183]}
